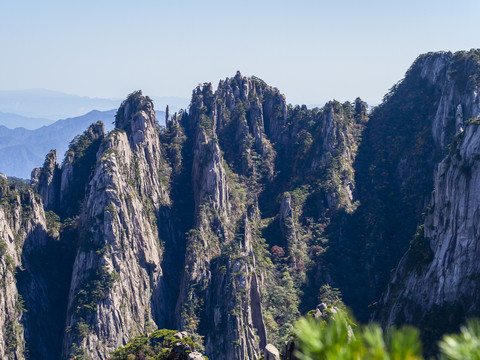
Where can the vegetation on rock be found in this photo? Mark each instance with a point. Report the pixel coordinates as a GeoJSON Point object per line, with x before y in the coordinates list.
{"type": "Point", "coordinates": [158, 345]}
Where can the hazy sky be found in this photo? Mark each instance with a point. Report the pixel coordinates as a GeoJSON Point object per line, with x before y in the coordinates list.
{"type": "Point", "coordinates": [312, 51]}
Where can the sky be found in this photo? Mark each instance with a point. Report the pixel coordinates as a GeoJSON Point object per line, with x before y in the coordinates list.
{"type": "Point", "coordinates": [313, 51]}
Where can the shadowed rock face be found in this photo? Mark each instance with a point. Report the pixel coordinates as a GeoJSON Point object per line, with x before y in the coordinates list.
{"type": "Point", "coordinates": [23, 237]}
{"type": "Point", "coordinates": [447, 274]}
{"type": "Point", "coordinates": [435, 286]}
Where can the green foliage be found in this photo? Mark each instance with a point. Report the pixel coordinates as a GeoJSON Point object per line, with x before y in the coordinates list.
{"type": "Point", "coordinates": [206, 123]}
{"type": "Point", "coordinates": [3, 248]}
{"type": "Point", "coordinates": [300, 196]}
{"type": "Point", "coordinates": [155, 346]}
{"type": "Point", "coordinates": [465, 69]}
{"type": "Point", "coordinates": [338, 338]}
{"type": "Point", "coordinates": [81, 329]}
{"type": "Point", "coordinates": [16, 195]}
{"type": "Point", "coordinates": [79, 353]}
{"type": "Point", "coordinates": [304, 141]}
{"type": "Point", "coordinates": [53, 224]}
{"type": "Point", "coordinates": [12, 180]}
{"type": "Point", "coordinates": [173, 139]}
{"type": "Point", "coordinates": [12, 336]}
{"type": "Point", "coordinates": [111, 209]}
{"type": "Point", "coordinates": [282, 303]}
{"type": "Point", "coordinates": [20, 305]}
{"type": "Point", "coordinates": [137, 101]}
{"type": "Point", "coordinates": [94, 290]}
{"type": "Point", "coordinates": [79, 145]}
{"type": "Point", "coordinates": [403, 343]}
{"type": "Point", "coordinates": [465, 345]}
{"type": "Point", "coordinates": [330, 296]}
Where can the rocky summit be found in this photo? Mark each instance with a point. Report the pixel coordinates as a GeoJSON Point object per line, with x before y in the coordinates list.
{"type": "Point", "coordinates": [244, 213]}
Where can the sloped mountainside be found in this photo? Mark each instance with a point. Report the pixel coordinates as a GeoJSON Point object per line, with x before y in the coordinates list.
{"type": "Point", "coordinates": [242, 214]}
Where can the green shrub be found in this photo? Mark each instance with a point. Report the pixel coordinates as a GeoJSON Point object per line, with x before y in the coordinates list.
{"type": "Point", "coordinates": [339, 338]}
{"type": "Point", "coordinates": [53, 224]}
{"type": "Point", "coordinates": [94, 290]}
{"type": "Point", "coordinates": [156, 345]}
{"type": "Point", "coordinates": [3, 248]}
{"type": "Point", "coordinates": [465, 345]}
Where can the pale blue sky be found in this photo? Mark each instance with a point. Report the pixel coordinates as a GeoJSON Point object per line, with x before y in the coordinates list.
{"type": "Point", "coordinates": [312, 51]}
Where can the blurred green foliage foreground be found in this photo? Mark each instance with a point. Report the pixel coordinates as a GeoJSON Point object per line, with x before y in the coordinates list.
{"type": "Point", "coordinates": [340, 338]}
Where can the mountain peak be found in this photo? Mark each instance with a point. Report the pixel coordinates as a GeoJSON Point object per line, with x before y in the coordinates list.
{"type": "Point", "coordinates": [135, 115]}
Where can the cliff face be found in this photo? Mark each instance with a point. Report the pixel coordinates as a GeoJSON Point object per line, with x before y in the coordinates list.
{"type": "Point", "coordinates": [438, 273]}
{"type": "Point", "coordinates": [221, 287]}
{"type": "Point", "coordinates": [406, 137]}
{"type": "Point", "coordinates": [117, 274]}
{"type": "Point", "coordinates": [445, 249]}
{"type": "Point", "coordinates": [23, 236]}
{"type": "Point", "coordinates": [250, 150]}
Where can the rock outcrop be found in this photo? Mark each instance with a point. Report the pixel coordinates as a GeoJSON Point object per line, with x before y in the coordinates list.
{"type": "Point", "coordinates": [23, 235]}
{"type": "Point", "coordinates": [271, 353]}
{"type": "Point", "coordinates": [221, 288]}
{"type": "Point", "coordinates": [117, 273]}
{"type": "Point", "coordinates": [246, 147]}
{"type": "Point", "coordinates": [46, 180]}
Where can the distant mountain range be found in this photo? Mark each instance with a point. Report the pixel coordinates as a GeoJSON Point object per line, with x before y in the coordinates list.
{"type": "Point", "coordinates": [46, 106]}
{"type": "Point", "coordinates": [13, 121]}
{"type": "Point", "coordinates": [52, 105]}
{"type": "Point", "coordinates": [22, 149]}
{"type": "Point", "coordinates": [29, 125]}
